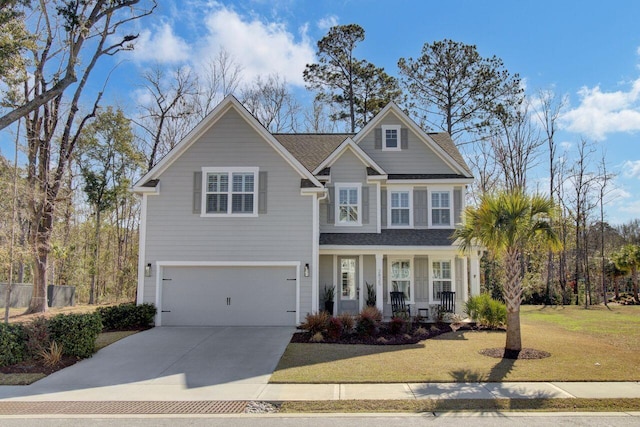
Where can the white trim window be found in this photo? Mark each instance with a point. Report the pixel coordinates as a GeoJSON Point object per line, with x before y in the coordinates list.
{"type": "Point", "coordinates": [401, 277]}
{"type": "Point", "coordinates": [391, 138]}
{"type": "Point", "coordinates": [400, 212]}
{"type": "Point", "coordinates": [348, 206]}
{"type": "Point", "coordinates": [441, 278]}
{"type": "Point", "coordinates": [440, 208]}
{"type": "Point", "coordinates": [230, 191]}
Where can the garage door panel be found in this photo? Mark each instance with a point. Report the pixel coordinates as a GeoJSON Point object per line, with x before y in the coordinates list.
{"type": "Point", "coordinates": [244, 296]}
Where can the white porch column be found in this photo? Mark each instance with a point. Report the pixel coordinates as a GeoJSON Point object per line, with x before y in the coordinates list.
{"type": "Point", "coordinates": [465, 279]}
{"type": "Point", "coordinates": [475, 273]}
{"type": "Point", "coordinates": [379, 293]}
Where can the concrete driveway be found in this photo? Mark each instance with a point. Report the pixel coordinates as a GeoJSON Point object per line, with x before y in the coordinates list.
{"type": "Point", "coordinates": [167, 360]}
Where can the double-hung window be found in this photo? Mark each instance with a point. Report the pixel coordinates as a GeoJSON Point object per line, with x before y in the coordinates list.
{"type": "Point", "coordinates": [441, 274]}
{"type": "Point", "coordinates": [441, 208]}
{"type": "Point", "coordinates": [230, 191]}
{"type": "Point", "coordinates": [348, 206]}
{"type": "Point", "coordinates": [400, 208]}
{"type": "Point", "coordinates": [401, 277]}
{"type": "Point", "coordinates": [391, 138]}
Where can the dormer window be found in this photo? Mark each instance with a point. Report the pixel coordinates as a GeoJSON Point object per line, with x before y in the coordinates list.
{"type": "Point", "coordinates": [391, 138]}
{"type": "Point", "coordinates": [348, 206]}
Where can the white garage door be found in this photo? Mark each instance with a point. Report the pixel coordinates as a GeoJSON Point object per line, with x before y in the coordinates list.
{"type": "Point", "coordinates": [228, 296]}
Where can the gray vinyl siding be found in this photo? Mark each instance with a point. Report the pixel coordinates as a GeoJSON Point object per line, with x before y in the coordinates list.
{"type": "Point", "coordinates": [459, 285]}
{"type": "Point", "coordinates": [325, 275]}
{"type": "Point", "coordinates": [421, 278]}
{"type": "Point", "coordinates": [284, 233]}
{"type": "Point", "coordinates": [369, 263]}
{"type": "Point", "coordinates": [417, 158]}
{"type": "Point", "coordinates": [349, 169]}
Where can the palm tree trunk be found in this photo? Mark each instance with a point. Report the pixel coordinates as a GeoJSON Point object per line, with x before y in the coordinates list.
{"type": "Point", "coordinates": [513, 297]}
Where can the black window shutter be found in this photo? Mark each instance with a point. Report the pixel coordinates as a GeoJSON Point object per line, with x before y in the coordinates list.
{"type": "Point", "coordinates": [377, 134]}
{"type": "Point", "coordinates": [197, 192]}
{"type": "Point", "coordinates": [404, 138]}
{"type": "Point", "coordinates": [365, 205]}
{"type": "Point", "coordinates": [262, 192]}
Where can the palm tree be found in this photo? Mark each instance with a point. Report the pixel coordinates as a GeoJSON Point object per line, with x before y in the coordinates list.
{"type": "Point", "coordinates": [506, 224]}
{"type": "Point", "coordinates": [627, 259]}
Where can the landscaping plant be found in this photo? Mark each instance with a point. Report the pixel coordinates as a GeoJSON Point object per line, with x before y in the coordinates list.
{"type": "Point", "coordinates": [76, 333]}
{"type": "Point", "coordinates": [316, 322]}
{"type": "Point", "coordinates": [486, 311]}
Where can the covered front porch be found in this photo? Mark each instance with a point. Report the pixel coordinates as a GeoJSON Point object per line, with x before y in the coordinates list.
{"type": "Point", "coordinates": [421, 273]}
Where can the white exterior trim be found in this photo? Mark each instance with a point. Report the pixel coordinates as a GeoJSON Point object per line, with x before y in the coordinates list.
{"type": "Point", "coordinates": [399, 257]}
{"type": "Point", "coordinates": [347, 185]}
{"type": "Point", "coordinates": [389, 207]}
{"type": "Point", "coordinates": [159, 267]}
{"type": "Point", "coordinates": [228, 102]}
{"type": "Point", "coordinates": [142, 245]}
{"type": "Point", "coordinates": [440, 189]}
{"type": "Point", "coordinates": [452, 266]}
{"type": "Point", "coordinates": [398, 129]}
{"type": "Point", "coordinates": [378, 208]}
{"type": "Point", "coordinates": [230, 171]}
{"type": "Point", "coordinates": [315, 256]}
{"type": "Point", "coordinates": [357, 151]}
{"type": "Point", "coordinates": [426, 139]}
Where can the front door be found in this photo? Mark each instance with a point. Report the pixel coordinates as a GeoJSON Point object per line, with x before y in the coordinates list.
{"type": "Point", "coordinates": [349, 289]}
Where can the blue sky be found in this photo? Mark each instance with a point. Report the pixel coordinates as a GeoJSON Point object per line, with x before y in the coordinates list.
{"type": "Point", "coordinates": [586, 50]}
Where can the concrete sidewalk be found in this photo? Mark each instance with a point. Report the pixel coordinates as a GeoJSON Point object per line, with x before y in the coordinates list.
{"type": "Point", "coordinates": [174, 388]}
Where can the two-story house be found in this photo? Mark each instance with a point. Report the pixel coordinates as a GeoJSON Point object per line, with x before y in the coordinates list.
{"type": "Point", "coordinates": [243, 227]}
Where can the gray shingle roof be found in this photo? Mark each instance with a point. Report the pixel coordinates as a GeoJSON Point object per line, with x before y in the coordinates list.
{"type": "Point", "coordinates": [446, 143]}
{"type": "Point", "coordinates": [438, 237]}
{"type": "Point", "coordinates": [425, 176]}
{"type": "Point", "coordinates": [311, 149]}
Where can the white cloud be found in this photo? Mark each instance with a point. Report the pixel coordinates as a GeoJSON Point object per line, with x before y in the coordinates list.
{"type": "Point", "coordinates": [601, 113]}
{"type": "Point", "coordinates": [566, 145]}
{"type": "Point", "coordinates": [259, 47]}
{"type": "Point", "coordinates": [162, 45]}
{"type": "Point", "coordinates": [631, 168]}
{"type": "Point", "coordinates": [327, 22]}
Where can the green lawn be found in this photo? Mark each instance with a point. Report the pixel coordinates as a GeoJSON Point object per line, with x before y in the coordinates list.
{"type": "Point", "coordinates": [585, 345]}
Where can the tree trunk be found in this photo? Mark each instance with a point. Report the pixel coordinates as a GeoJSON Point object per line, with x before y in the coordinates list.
{"type": "Point", "coordinates": [634, 277]}
{"type": "Point", "coordinates": [96, 261]}
{"type": "Point", "coordinates": [513, 344]}
{"type": "Point", "coordinates": [513, 298]}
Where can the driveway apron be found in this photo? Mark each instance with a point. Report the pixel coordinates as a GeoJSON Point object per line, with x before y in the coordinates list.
{"type": "Point", "coordinates": [187, 356]}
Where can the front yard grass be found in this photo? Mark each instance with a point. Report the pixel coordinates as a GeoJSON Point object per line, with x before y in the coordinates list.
{"type": "Point", "coordinates": [459, 405]}
{"type": "Point", "coordinates": [597, 344]}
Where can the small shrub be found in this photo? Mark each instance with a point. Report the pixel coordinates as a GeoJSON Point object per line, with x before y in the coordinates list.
{"type": "Point", "coordinates": [37, 337]}
{"type": "Point", "coordinates": [127, 316]}
{"type": "Point", "coordinates": [486, 311]}
{"type": "Point", "coordinates": [335, 328]}
{"type": "Point", "coordinates": [317, 337]}
{"type": "Point", "coordinates": [397, 325]}
{"type": "Point", "coordinates": [368, 321]}
{"type": "Point", "coordinates": [76, 333]}
{"type": "Point", "coordinates": [372, 312]}
{"type": "Point", "coordinates": [53, 355]}
{"type": "Point", "coordinates": [12, 344]}
{"type": "Point", "coordinates": [382, 340]}
{"type": "Point", "coordinates": [316, 322]}
{"type": "Point", "coordinates": [347, 322]}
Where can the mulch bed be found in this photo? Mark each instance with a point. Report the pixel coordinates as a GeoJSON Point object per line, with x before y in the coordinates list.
{"type": "Point", "coordinates": [384, 336]}
{"type": "Point", "coordinates": [38, 366]}
{"type": "Point", "coordinates": [524, 354]}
